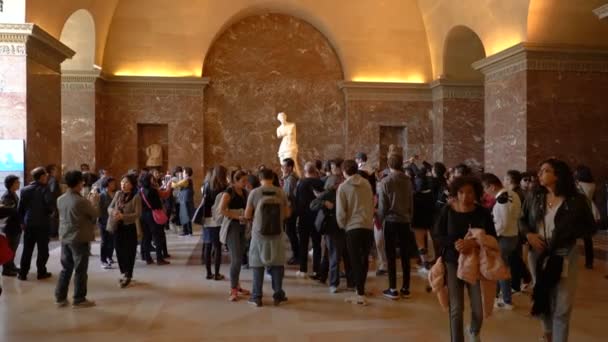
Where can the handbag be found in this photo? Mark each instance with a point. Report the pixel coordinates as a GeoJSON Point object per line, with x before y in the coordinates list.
{"type": "Point", "coordinates": [6, 253]}
{"type": "Point", "coordinates": [159, 215]}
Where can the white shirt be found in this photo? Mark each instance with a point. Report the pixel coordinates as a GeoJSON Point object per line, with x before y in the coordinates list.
{"type": "Point", "coordinates": [548, 224]}
{"type": "Point", "coordinates": [506, 213]}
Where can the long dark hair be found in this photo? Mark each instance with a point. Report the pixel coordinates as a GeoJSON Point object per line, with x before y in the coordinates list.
{"type": "Point", "coordinates": [219, 178]}
{"type": "Point", "coordinates": [565, 185]}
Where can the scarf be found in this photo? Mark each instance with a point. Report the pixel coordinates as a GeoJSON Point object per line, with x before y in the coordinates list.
{"type": "Point", "coordinates": [123, 199]}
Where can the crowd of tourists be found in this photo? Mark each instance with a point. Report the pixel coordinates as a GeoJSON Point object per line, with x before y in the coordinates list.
{"type": "Point", "coordinates": [462, 227]}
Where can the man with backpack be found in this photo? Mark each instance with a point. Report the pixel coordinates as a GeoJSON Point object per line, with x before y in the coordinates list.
{"type": "Point", "coordinates": [267, 206]}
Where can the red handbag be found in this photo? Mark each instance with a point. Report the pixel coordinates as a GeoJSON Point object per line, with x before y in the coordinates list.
{"type": "Point", "coordinates": [6, 253]}
{"type": "Point", "coordinates": [159, 215]}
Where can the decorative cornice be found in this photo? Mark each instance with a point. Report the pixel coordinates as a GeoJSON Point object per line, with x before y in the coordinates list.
{"type": "Point", "coordinates": [31, 40]}
{"type": "Point", "coordinates": [601, 12]}
{"type": "Point", "coordinates": [380, 91]}
{"type": "Point", "coordinates": [542, 57]}
{"type": "Point", "coordinates": [445, 89]}
{"type": "Point", "coordinates": [155, 85]}
{"type": "Point", "coordinates": [79, 80]}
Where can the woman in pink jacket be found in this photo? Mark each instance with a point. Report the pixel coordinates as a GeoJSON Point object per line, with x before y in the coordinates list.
{"type": "Point", "coordinates": [453, 223]}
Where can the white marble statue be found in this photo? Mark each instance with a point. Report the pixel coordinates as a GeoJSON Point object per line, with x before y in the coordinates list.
{"type": "Point", "coordinates": [154, 153]}
{"type": "Point", "coordinates": [289, 146]}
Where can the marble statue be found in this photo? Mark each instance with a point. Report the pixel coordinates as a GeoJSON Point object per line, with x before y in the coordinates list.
{"type": "Point", "coordinates": [154, 153]}
{"type": "Point", "coordinates": [289, 146]}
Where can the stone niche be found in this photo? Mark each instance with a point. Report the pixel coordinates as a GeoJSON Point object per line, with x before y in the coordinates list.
{"type": "Point", "coordinates": [263, 65]}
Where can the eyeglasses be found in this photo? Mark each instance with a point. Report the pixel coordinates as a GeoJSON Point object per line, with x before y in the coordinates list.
{"type": "Point", "coordinates": [526, 179]}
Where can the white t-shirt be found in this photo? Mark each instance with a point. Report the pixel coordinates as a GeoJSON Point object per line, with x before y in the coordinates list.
{"type": "Point", "coordinates": [548, 224]}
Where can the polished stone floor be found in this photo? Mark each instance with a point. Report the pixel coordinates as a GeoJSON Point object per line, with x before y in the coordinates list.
{"type": "Point", "coordinates": [175, 303]}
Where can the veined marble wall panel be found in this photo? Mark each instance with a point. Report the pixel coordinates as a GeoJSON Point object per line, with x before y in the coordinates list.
{"type": "Point", "coordinates": [264, 65]}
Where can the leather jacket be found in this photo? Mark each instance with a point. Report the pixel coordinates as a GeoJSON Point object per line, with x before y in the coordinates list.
{"type": "Point", "coordinates": [573, 219]}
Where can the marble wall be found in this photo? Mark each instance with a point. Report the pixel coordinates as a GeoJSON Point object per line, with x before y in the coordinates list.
{"type": "Point", "coordinates": [366, 117]}
{"type": "Point", "coordinates": [458, 124]}
{"type": "Point", "coordinates": [506, 123]}
{"type": "Point", "coordinates": [13, 97]}
{"type": "Point", "coordinates": [43, 115]}
{"type": "Point", "coordinates": [567, 117]}
{"type": "Point", "coordinates": [78, 109]}
{"type": "Point", "coordinates": [125, 104]}
{"type": "Point", "coordinates": [263, 65]}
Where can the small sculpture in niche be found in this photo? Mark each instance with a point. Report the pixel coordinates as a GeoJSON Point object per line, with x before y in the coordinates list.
{"type": "Point", "coordinates": [289, 146]}
{"type": "Point", "coordinates": [154, 153]}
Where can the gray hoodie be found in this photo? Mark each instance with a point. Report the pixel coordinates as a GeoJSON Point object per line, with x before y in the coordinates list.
{"type": "Point", "coordinates": [395, 198]}
{"type": "Point", "coordinates": [355, 204]}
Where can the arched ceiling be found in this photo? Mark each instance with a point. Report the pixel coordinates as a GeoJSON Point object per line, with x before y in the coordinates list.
{"type": "Point", "coordinates": [79, 34]}
{"type": "Point", "coordinates": [374, 40]}
{"type": "Point", "coordinates": [388, 40]}
{"type": "Point", "coordinates": [462, 48]}
{"type": "Point", "coordinates": [499, 24]}
{"type": "Point", "coordinates": [52, 16]}
{"type": "Point", "coordinates": [567, 22]}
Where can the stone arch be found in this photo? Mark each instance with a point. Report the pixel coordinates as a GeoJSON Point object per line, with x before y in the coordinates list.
{"type": "Point", "coordinates": [462, 47]}
{"type": "Point", "coordinates": [262, 65]}
{"type": "Point", "coordinates": [79, 34]}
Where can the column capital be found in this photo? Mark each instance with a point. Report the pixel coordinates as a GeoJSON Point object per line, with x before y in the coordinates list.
{"type": "Point", "coordinates": [601, 12]}
{"type": "Point", "coordinates": [543, 57]}
{"type": "Point", "coordinates": [32, 41]}
{"type": "Point", "coordinates": [385, 91]}
{"type": "Point", "coordinates": [448, 89]}
{"type": "Point", "coordinates": [79, 80]}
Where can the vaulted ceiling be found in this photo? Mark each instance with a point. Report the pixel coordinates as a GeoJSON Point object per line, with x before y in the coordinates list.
{"type": "Point", "coordinates": [388, 40]}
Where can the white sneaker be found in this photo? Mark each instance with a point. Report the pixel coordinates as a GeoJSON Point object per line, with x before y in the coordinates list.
{"type": "Point", "coordinates": [500, 304]}
{"type": "Point", "coordinates": [333, 289]}
{"type": "Point", "coordinates": [359, 300]}
{"type": "Point", "coordinates": [301, 275]}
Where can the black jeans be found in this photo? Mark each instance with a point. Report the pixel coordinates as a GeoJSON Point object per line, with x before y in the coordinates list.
{"type": "Point", "coordinates": [39, 237]}
{"type": "Point", "coordinates": [519, 270]}
{"type": "Point", "coordinates": [74, 259]}
{"type": "Point", "coordinates": [397, 234]}
{"type": "Point", "coordinates": [359, 242]}
{"type": "Point", "coordinates": [588, 240]}
{"type": "Point", "coordinates": [106, 250]}
{"type": "Point", "coordinates": [152, 232]}
{"type": "Point", "coordinates": [125, 240]}
{"type": "Point", "coordinates": [292, 234]}
{"type": "Point", "coordinates": [306, 231]}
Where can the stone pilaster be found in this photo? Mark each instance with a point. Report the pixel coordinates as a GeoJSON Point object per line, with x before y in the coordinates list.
{"type": "Point", "coordinates": [78, 118]}
{"type": "Point", "coordinates": [544, 101]}
{"type": "Point", "coordinates": [458, 117]}
{"type": "Point", "coordinates": [30, 91]}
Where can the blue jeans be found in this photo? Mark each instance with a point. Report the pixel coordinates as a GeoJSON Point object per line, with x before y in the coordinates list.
{"type": "Point", "coordinates": [277, 273]}
{"type": "Point", "coordinates": [507, 245]}
{"type": "Point", "coordinates": [562, 296]}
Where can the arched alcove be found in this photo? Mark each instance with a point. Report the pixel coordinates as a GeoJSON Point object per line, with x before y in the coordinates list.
{"type": "Point", "coordinates": [79, 34]}
{"type": "Point", "coordinates": [462, 48]}
{"type": "Point", "coordinates": [262, 65]}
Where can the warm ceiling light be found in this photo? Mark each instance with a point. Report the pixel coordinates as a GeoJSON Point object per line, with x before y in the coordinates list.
{"type": "Point", "coordinates": [157, 72]}
{"type": "Point", "coordinates": [415, 78]}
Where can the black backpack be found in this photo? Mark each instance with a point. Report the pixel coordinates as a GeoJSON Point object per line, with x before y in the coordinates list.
{"type": "Point", "coordinates": [269, 210]}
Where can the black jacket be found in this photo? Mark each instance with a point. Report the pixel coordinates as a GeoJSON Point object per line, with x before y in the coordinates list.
{"type": "Point", "coordinates": [36, 205]}
{"type": "Point", "coordinates": [573, 219]}
{"type": "Point", "coordinates": [304, 196]}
